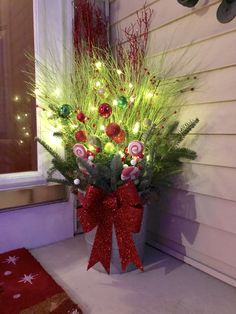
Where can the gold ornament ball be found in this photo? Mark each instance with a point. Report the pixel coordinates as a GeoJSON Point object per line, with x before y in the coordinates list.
{"type": "Point", "coordinates": [109, 148]}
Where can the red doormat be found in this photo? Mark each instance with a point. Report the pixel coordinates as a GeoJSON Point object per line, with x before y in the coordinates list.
{"type": "Point", "coordinates": [26, 288]}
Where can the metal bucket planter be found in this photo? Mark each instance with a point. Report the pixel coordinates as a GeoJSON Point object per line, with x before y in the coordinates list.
{"type": "Point", "coordinates": [139, 240]}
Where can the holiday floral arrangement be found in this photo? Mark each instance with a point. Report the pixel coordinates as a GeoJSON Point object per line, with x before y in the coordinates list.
{"type": "Point", "coordinates": [117, 119]}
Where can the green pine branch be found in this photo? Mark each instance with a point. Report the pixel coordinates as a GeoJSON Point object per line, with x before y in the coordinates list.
{"type": "Point", "coordinates": [185, 129]}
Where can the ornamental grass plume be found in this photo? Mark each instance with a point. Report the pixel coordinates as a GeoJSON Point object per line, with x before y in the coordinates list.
{"type": "Point", "coordinates": [116, 118]}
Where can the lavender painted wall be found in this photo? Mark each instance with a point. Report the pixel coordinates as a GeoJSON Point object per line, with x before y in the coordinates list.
{"type": "Point", "coordinates": [36, 226]}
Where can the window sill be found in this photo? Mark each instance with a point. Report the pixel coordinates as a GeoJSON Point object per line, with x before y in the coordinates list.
{"type": "Point", "coordinates": [35, 195]}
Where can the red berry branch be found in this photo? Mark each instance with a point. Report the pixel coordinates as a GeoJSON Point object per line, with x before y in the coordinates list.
{"type": "Point", "coordinates": [136, 35]}
{"type": "Point", "coordinates": [90, 27]}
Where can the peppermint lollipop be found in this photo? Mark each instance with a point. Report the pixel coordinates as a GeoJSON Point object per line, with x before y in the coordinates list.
{"type": "Point", "coordinates": [130, 173]}
{"type": "Point", "coordinates": [80, 151]}
{"type": "Point", "coordinates": [135, 148]}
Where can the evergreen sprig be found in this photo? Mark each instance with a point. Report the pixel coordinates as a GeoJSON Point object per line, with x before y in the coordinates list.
{"type": "Point", "coordinates": [149, 116]}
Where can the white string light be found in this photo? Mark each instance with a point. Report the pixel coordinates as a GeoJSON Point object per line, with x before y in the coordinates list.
{"type": "Point", "coordinates": [98, 65]}
{"type": "Point", "coordinates": [136, 128]}
{"type": "Point", "coordinates": [57, 92]}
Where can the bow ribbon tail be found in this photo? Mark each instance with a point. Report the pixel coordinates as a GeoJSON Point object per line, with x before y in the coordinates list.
{"type": "Point", "coordinates": [127, 249]}
{"type": "Point", "coordinates": [101, 251]}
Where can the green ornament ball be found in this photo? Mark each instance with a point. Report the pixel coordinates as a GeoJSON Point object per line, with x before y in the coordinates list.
{"type": "Point", "coordinates": [122, 102]}
{"type": "Point", "coordinates": [65, 110]}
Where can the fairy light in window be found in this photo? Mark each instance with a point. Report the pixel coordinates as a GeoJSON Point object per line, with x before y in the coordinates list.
{"type": "Point", "coordinates": [119, 72]}
{"type": "Point", "coordinates": [16, 98]}
{"type": "Point", "coordinates": [98, 84]}
{"type": "Point", "coordinates": [26, 114]}
{"type": "Point", "coordinates": [27, 134]}
{"type": "Point", "coordinates": [21, 142]}
{"type": "Point", "coordinates": [23, 128]}
{"type": "Point", "coordinates": [115, 102]}
{"type": "Point", "coordinates": [18, 117]}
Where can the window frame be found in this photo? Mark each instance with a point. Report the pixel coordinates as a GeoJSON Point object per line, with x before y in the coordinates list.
{"type": "Point", "coordinates": [56, 16]}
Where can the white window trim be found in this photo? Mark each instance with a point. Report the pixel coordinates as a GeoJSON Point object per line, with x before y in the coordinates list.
{"type": "Point", "coordinates": [50, 17]}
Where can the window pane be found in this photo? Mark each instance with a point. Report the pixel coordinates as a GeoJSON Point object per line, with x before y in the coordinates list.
{"type": "Point", "coordinates": [17, 108]}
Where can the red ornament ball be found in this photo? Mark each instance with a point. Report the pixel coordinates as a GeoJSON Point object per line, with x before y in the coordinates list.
{"type": "Point", "coordinates": [81, 116]}
{"type": "Point", "coordinates": [113, 129]}
{"type": "Point", "coordinates": [81, 136]}
{"type": "Point", "coordinates": [105, 110]}
{"type": "Point", "coordinates": [98, 150]}
{"type": "Point", "coordinates": [119, 138]}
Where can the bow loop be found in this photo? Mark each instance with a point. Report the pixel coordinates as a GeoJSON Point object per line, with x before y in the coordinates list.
{"type": "Point", "coordinates": [90, 213]}
{"type": "Point", "coordinates": [128, 194]}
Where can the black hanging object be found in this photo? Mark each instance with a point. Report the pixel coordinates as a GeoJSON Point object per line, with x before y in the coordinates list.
{"type": "Point", "coordinates": [188, 3]}
{"type": "Point", "coordinates": [226, 11]}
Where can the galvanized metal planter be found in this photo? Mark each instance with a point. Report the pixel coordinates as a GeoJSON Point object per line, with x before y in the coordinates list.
{"type": "Point", "coordinates": [139, 240]}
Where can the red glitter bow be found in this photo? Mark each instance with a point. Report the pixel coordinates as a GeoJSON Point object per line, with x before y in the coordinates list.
{"type": "Point", "coordinates": [123, 209]}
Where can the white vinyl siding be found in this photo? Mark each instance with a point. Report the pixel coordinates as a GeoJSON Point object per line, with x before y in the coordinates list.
{"type": "Point", "coordinates": [196, 219]}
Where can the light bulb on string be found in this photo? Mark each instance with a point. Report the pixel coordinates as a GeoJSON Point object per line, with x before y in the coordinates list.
{"type": "Point", "coordinates": [18, 117]}
{"type": "Point", "coordinates": [98, 65]}
{"type": "Point", "coordinates": [36, 91]}
{"type": "Point", "coordinates": [132, 99]}
{"type": "Point", "coordinates": [136, 128]}
{"type": "Point", "coordinates": [57, 92]}
{"type": "Point", "coordinates": [115, 102]}
{"type": "Point", "coordinates": [149, 95]}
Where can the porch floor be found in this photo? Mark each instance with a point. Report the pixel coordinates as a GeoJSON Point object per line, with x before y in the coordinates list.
{"type": "Point", "coordinates": [167, 286]}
